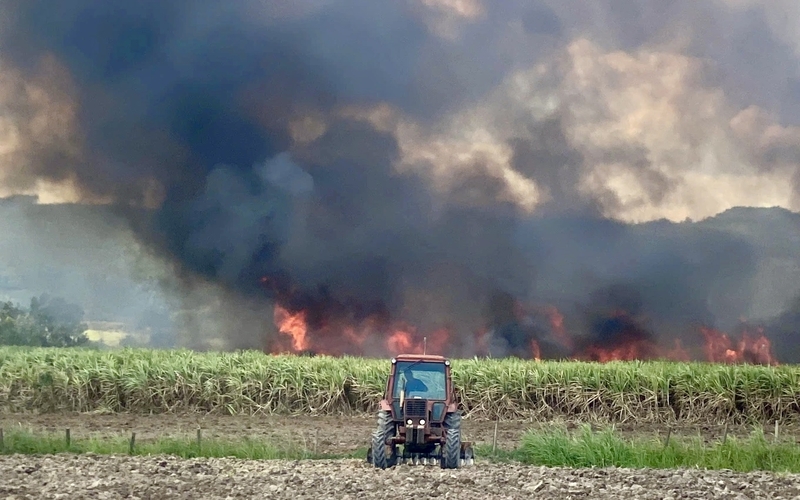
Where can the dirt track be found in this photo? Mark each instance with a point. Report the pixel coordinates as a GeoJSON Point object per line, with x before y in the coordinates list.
{"type": "Point", "coordinates": [91, 476]}
{"type": "Point", "coordinates": [328, 432]}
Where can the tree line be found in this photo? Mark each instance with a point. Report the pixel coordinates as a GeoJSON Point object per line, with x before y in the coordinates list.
{"type": "Point", "coordinates": [47, 322]}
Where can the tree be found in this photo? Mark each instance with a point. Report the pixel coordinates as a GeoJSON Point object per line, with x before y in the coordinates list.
{"type": "Point", "coordinates": [49, 322]}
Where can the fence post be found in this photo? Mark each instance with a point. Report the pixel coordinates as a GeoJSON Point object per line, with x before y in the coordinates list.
{"type": "Point", "coordinates": [68, 437]}
{"type": "Point", "coordinates": [494, 439]}
{"type": "Point", "coordinates": [132, 443]}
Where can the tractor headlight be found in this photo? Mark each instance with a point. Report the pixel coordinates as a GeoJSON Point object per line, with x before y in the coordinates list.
{"type": "Point", "coordinates": [409, 421]}
{"type": "Point", "coordinates": [422, 422]}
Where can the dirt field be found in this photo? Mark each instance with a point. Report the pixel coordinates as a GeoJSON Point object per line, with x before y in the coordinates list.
{"type": "Point", "coordinates": [331, 434]}
{"type": "Point", "coordinates": [91, 476]}
{"type": "Point", "coordinates": [108, 477]}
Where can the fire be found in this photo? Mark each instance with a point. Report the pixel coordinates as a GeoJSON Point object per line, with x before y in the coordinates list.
{"type": "Point", "coordinates": [341, 337]}
{"type": "Point", "coordinates": [626, 352]}
{"type": "Point", "coordinates": [557, 324]}
{"type": "Point", "coordinates": [536, 351]}
{"type": "Point", "coordinates": [756, 349]}
{"type": "Point", "coordinates": [617, 336]}
{"type": "Point", "coordinates": [678, 352]}
{"type": "Point", "coordinates": [293, 325]}
{"type": "Point", "coordinates": [408, 341]}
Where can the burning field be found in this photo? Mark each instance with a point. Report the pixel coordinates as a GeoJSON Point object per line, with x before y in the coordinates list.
{"type": "Point", "coordinates": [620, 337]}
{"type": "Point", "coordinates": [290, 190]}
{"type": "Point", "coordinates": [467, 178]}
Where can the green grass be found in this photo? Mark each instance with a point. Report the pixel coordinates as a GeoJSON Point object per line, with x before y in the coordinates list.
{"type": "Point", "coordinates": [28, 443]}
{"type": "Point", "coordinates": [548, 447]}
{"type": "Point", "coordinates": [172, 381]}
{"type": "Point", "coordinates": [603, 449]}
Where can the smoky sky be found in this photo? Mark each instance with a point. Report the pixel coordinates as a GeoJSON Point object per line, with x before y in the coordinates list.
{"type": "Point", "coordinates": [201, 98]}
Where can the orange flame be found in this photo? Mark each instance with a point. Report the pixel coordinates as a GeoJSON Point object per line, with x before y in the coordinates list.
{"type": "Point", "coordinates": [399, 342]}
{"type": "Point", "coordinates": [751, 349]}
{"type": "Point", "coordinates": [409, 341]}
{"type": "Point", "coordinates": [341, 337]}
{"type": "Point", "coordinates": [557, 324]}
{"type": "Point", "coordinates": [625, 352]}
{"type": "Point", "coordinates": [536, 351]}
{"type": "Point", "coordinates": [293, 325]}
{"type": "Point", "coordinates": [678, 353]}
{"type": "Point", "coordinates": [345, 337]}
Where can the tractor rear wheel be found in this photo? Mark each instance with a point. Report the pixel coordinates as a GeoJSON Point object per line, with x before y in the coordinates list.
{"type": "Point", "coordinates": [451, 449]}
{"type": "Point", "coordinates": [381, 457]}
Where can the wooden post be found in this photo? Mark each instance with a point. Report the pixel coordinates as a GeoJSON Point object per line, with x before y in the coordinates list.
{"type": "Point", "coordinates": [316, 440]}
{"type": "Point", "coordinates": [199, 438]}
{"type": "Point", "coordinates": [68, 437]}
{"type": "Point", "coordinates": [132, 443]}
{"type": "Point", "coordinates": [725, 435]}
{"type": "Point", "coordinates": [2, 441]}
{"type": "Point", "coordinates": [776, 430]}
{"type": "Point", "coordinates": [494, 439]}
{"type": "Point", "coordinates": [669, 434]}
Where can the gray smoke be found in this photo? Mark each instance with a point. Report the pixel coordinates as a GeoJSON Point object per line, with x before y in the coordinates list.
{"type": "Point", "coordinates": [415, 160]}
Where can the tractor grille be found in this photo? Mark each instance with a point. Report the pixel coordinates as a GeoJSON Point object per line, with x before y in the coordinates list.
{"type": "Point", "coordinates": [415, 408]}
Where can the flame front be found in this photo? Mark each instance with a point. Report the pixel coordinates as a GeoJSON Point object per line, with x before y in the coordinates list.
{"type": "Point", "coordinates": [629, 341]}
{"type": "Point", "coordinates": [337, 338]}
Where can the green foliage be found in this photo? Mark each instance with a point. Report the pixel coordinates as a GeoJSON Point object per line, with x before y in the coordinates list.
{"type": "Point", "coordinates": [548, 447]}
{"type": "Point", "coordinates": [29, 443]}
{"type": "Point", "coordinates": [605, 449]}
{"type": "Point", "coordinates": [48, 322]}
{"type": "Point", "coordinates": [251, 382]}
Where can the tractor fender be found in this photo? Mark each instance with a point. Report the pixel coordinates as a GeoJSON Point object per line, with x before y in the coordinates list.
{"type": "Point", "coordinates": [385, 405]}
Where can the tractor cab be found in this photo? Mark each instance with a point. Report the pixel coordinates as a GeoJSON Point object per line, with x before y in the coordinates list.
{"type": "Point", "coordinates": [420, 380]}
{"type": "Point", "coordinates": [419, 388]}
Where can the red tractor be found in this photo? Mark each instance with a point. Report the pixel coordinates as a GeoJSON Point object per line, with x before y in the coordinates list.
{"type": "Point", "coordinates": [419, 412]}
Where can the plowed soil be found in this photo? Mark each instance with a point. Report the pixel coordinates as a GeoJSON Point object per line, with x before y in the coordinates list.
{"type": "Point", "coordinates": [109, 477]}
{"type": "Point", "coordinates": [112, 477]}
{"type": "Point", "coordinates": [326, 434]}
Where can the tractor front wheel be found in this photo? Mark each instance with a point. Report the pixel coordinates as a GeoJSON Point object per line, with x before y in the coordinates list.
{"type": "Point", "coordinates": [451, 449]}
{"type": "Point", "coordinates": [381, 457]}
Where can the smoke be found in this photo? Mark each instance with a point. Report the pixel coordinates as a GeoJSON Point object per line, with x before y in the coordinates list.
{"type": "Point", "coordinates": [86, 256]}
{"type": "Point", "coordinates": [786, 329]}
{"type": "Point", "coordinates": [396, 158]}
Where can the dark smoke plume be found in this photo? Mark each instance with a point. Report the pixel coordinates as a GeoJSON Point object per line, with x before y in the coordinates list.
{"type": "Point", "coordinates": [356, 158]}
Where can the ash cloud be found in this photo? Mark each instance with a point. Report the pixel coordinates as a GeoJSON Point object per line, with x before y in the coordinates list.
{"type": "Point", "coordinates": [427, 159]}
